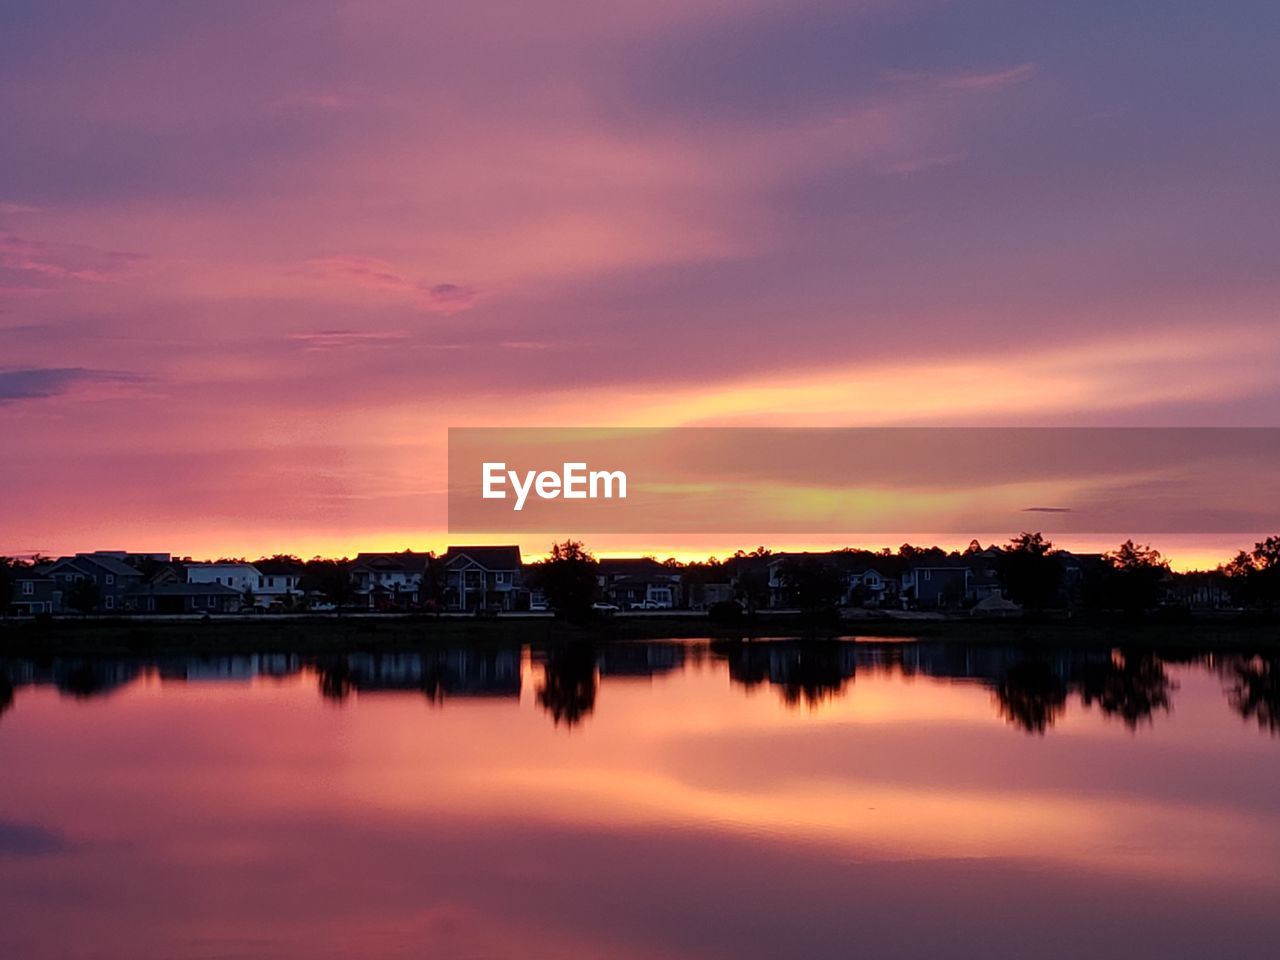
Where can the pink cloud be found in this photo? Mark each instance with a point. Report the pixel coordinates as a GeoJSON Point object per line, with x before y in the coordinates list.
{"type": "Point", "coordinates": [372, 274]}
{"type": "Point", "coordinates": [28, 266]}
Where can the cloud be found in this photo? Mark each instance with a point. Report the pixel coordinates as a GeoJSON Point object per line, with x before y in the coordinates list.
{"type": "Point", "coordinates": [348, 339]}
{"type": "Point", "coordinates": [964, 80]}
{"type": "Point", "coordinates": [371, 274]}
{"type": "Point", "coordinates": [40, 383]}
{"type": "Point", "coordinates": [32, 266]}
{"type": "Point", "coordinates": [1046, 510]}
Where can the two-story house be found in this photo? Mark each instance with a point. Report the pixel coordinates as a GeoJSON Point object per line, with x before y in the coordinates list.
{"type": "Point", "coordinates": [390, 580]}
{"type": "Point", "coordinates": [639, 582]}
{"type": "Point", "coordinates": [114, 578]}
{"type": "Point", "coordinates": [483, 578]}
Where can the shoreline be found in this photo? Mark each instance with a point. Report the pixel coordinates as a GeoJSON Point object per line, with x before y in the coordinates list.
{"type": "Point", "coordinates": [334, 634]}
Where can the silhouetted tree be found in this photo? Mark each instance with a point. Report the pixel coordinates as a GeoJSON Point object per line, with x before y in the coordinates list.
{"type": "Point", "coordinates": [329, 578]}
{"type": "Point", "coordinates": [1029, 572]}
{"type": "Point", "coordinates": [434, 584]}
{"type": "Point", "coordinates": [1131, 686]}
{"type": "Point", "coordinates": [568, 690]}
{"type": "Point", "coordinates": [812, 583]}
{"type": "Point", "coordinates": [1255, 576]}
{"type": "Point", "coordinates": [1031, 696]}
{"type": "Point", "coordinates": [568, 578]}
{"type": "Point", "coordinates": [247, 599]}
{"type": "Point", "coordinates": [9, 571]}
{"type": "Point", "coordinates": [83, 595]}
{"type": "Point", "coordinates": [751, 586]}
{"type": "Point", "coordinates": [1256, 692]}
{"type": "Point", "coordinates": [1132, 579]}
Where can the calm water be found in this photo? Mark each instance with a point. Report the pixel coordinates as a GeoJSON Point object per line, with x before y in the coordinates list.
{"type": "Point", "coordinates": [763, 800]}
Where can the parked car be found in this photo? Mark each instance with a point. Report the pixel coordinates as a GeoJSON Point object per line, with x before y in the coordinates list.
{"type": "Point", "coordinates": [538, 608]}
{"type": "Point", "coordinates": [647, 605]}
{"type": "Point", "coordinates": [601, 607]}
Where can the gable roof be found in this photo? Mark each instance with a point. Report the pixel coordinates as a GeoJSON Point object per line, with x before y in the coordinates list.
{"type": "Point", "coordinates": [634, 567]}
{"type": "Point", "coordinates": [81, 561]}
{"type": "Point", "coordinates": [491, 558]}
{"type": "Point", "coordinates": [407, 560]}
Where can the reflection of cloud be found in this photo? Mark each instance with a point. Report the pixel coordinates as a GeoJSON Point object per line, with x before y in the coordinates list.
{"type": "Point", "coordinates": [1046, 509]}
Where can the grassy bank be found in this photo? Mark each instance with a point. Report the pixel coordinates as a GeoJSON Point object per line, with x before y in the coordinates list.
{"type": "Point", "coordinates": [321, 635]}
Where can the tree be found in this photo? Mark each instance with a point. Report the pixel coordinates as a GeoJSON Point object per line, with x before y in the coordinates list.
{"type": "Point", "coordinates": [1133, 578]}
{"type": "Point", "coordinates": [8, 574]}
{"type": "Point", "coordinates": [247, 599]}
{"type": "Point", "coordinates": [83, 595]}
{"type": "Point", "coordinates": [1029, 572]}
{"type": "Point", "coordinates": [434, 584]}
{"type": "Point", "coordinates": [329, 578]}
{"type": "Point", "coordinates": [568, 578]}
{"type": "Point", "coordinates": [1254, 577]}
{"type": "Point", "coordinates": [812, 583]}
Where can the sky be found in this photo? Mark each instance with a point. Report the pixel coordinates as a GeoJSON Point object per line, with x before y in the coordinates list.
{"type": "Point", "coordinates": [255, 259]}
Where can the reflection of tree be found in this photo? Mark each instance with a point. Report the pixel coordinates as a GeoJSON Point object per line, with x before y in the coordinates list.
{"type": "Point", "coordinates": [817, 672]}
{"type": "Point", "coordinates": [806, 672]}
{"type": "Point", "coordinates": [1256, 693]}
{"type": "Point", "coordinates": [1132, 686]}
{"type": "Point", "coordinates": [1031, 696]}
{"type": "Point", "coordinates": [335, 681]}
{"type": "Point", "coordinates": [568, 690]}
{"type": "Point", "coordinates": [6, 694]}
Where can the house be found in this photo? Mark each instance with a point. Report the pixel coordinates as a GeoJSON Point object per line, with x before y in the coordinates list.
{"type": "Point", "coordinates": [278, 580]}
{"type": "Point", "coordinates": [872, 585]}
{"type": "Point", "coordinates": [35, 593]}
{"type": "Point", "coordinates": [114, 578]}
{"type": "Point", "coordinates": [237, 575]}
{"type": "Point", "coordinates": [483, 578]}
{"type": "Point", "coordinates": [639, 581]}
{"type": "Point", "coordinates": [184, 598]}
{"type": "Point", "coordinates": [937, 584]}
{"type": "Point", "coordinates": [390, 580]}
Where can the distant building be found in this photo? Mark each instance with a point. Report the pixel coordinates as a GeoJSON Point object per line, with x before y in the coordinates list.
{"type": "Point", "coordinates": [184, 598]}
{"type": "Point", "coordinates": [390, 580]}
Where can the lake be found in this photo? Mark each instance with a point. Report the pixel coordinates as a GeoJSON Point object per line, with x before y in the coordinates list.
{"type": "Point", "coordinates": [650, 800]}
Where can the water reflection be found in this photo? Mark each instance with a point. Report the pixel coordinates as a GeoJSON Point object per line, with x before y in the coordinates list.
{"type": "Point", "coordinates": [1255, 692]}
{"type": "Point", "coordinates": [1032, 688]}
{"type": "Point", "coordinates": [729, 801]}
{"type": "Point", "coordinates": [568, 688]}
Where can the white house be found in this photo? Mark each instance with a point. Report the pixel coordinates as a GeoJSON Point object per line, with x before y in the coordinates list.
{"type": "Point", "coordinates": [237, 576]}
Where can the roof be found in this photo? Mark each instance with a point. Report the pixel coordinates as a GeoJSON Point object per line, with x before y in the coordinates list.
{"type": "Point", "coordinates": [278, 568]}
{"type": "Point", "coordinates": [634, 567]}
{"type": "Point", "coordinates": [109, 564]}
{"type": "Point", "coordinates": [995, 604]}
{"type": "Point", "coordinates": [407, 560]}
{"type": "Point", "coordinates": [491, 558]}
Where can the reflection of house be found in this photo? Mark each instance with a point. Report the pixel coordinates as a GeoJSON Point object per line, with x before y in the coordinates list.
{"type": "Point", "coordinates": [114, 578]}
{"type": "Point", "coordinates": [454, 673]}
{"type": "Point", "coordinates": [183, 598]}
{"type": "Point", "coordinates": [390, 580]}
{"type": "Point", "coordinates": [640, 659]}
{"type": "Point", "coordinates": [480, 578]}
{"type": "Point", "coordinates": [639, 581]}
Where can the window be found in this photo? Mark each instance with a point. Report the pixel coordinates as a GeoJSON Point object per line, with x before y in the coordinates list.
{"type": "Point", "coordinates": [111, 578]}
{"type": "Point", "coordinates": [260, 584]}
{"type": "Point", "coordinates": [110, 603]}
{"type": "Point", "coordinates": [271, 581]}
{"type": "Point", "coordinates": [28, 588]}
{"type": "Point", "coordinates": [500, 577]}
